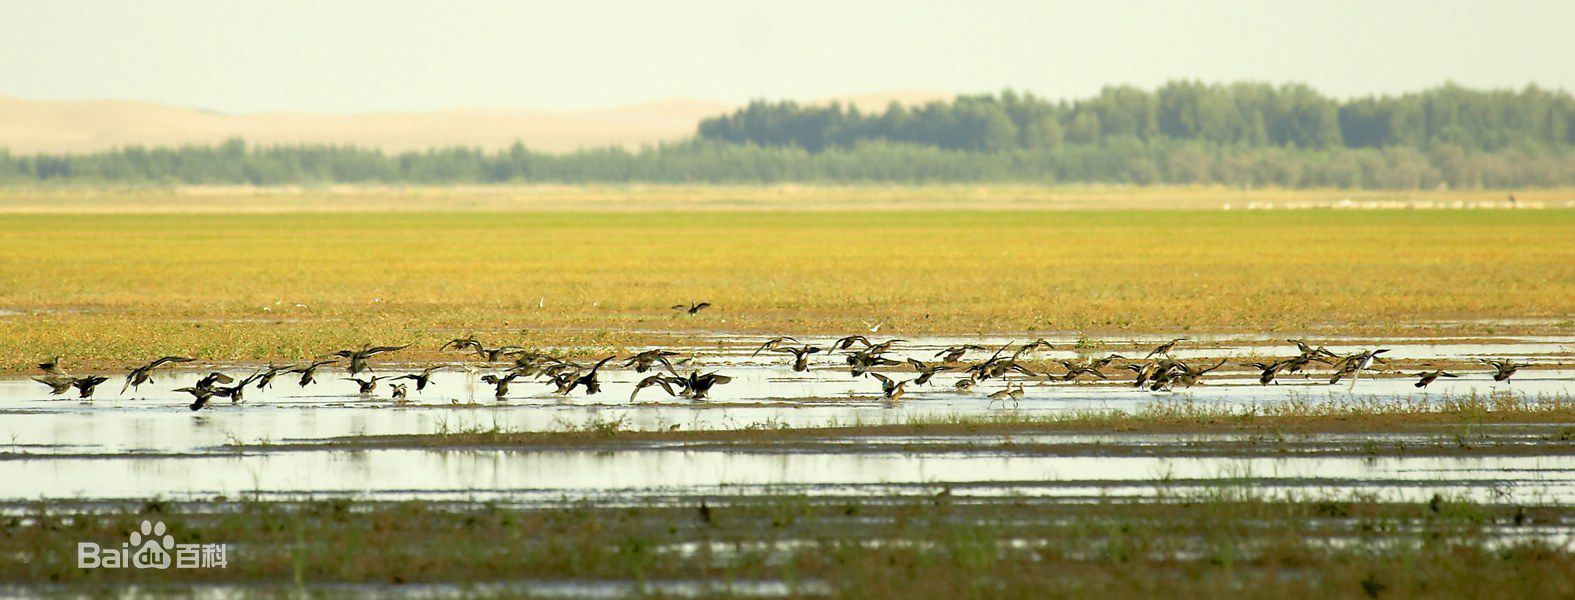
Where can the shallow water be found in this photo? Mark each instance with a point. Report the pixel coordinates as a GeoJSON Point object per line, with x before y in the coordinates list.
{"type": "Point", "coordinates": [63, 447]}
{"type": "Point", "coordinates": [158, 421]}
{"type": "Point", "coordinates": [515, 475]}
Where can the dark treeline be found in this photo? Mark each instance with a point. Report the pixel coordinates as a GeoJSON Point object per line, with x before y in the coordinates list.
{"type": "Point", "coordinates": [712, 162]}
{"type": "Point", "coordinates": [1242, 135]}
{"type": "Point", "coordinates": [1242, 114]}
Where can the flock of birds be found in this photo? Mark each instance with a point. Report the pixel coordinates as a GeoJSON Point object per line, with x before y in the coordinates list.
{"type": "Point", "coordinates": [1157, 371]}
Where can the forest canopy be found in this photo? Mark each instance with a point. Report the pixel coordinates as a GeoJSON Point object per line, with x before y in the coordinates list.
{"type": "Point", "coordinates": [1242, 114]}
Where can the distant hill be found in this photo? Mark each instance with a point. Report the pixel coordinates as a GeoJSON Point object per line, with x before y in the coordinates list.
{"type": "Point", "coordinates": [32, 126]}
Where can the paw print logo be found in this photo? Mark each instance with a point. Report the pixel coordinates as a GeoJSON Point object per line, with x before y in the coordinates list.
{"type": "Point", "coordinates": [150, 546]}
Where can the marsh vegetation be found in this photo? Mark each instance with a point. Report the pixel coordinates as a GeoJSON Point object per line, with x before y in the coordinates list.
{"type": "Point", "coordinates": [1195, 544]}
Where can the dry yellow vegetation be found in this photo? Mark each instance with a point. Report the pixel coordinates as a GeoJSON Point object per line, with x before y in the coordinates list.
{"type": "Point", "coordinates": [106, 288]}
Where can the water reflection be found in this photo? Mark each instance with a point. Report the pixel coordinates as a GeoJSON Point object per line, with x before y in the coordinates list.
{"type": "Point", "coordinates": [512, 475]}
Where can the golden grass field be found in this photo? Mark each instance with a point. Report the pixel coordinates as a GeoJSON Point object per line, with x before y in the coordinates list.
{"type": "Point", "coordinates": [110, 288]}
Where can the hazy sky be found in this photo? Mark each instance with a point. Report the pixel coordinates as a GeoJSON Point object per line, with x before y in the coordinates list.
{"type": "Point", "coordinates": [360, 56]}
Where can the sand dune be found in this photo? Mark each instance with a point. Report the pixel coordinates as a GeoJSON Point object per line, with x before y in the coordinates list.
{"type": "Point", "coordinates": [29, 126]}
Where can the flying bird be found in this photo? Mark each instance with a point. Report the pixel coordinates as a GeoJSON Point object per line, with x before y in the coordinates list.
{"type": "Point", "coordinates": [589, 380]}
{"type": "Point", "coordinates": [699, 386]}
{"type": "Point", "coordinates": [861, 362]}
{"type": "Point", "coordinates": [266, 377]}
{"type": "Point", "coordinates": [493, 355]}
{"type": "Point", "coordinates": [500, 384]}
{"type": "Point", "coordinates": [1308, 350]}
{"type": "Point", "coordinates": [214, 377]}
{"type": "Point", "coordinates": [882, 347]}
{"type": "Point", "coordinates": [309, 372]}
{"type": "Point", "coordinates": [1268, 371]}
{"type": "Point", "coordinates": [1427, 377]}
{"type": "Point", "coordinates": [144, 373]}
{"type": "Point", "coordinates": [800, 356]}
{"type": "Point", "coordinates": [57, 385]}
{"type": "Point", "coordinates": [200, 396]}
{"type": "Point", "coordinates": [1034, 345]}
{"type": "Point", "coordinates": [368, 386]}
{"type": "Point", "coordinates": [1165, 348]}
{"type": "Point", "coordinates": [463, 344]}
{"type": "Point", "coordinates": [643, 361]}
{"type": "Point", "coordinates": [1188, 376]}
{"type": "Point", "coordinates": [692, 308]}
{"type": "Point", "coordinates": [236, 392]}
{"type": "Point", "coordinates": [358, 358]}
{"type": "Point", "coordinates": [891, 390]}
{"type": "Point", "coordinates": [1353, 364]}
{"type": "Point", "coordinates": [421, 379]}
{"type": "Point", "coordinates": [1072, 373]}
{"type": "Point", "coordinates": [53, 367]}
{"type": "Point", "coordinates": [926, 370]}
{"type": "Point", "coordinates": [772, 344]}
{"type": "Point", "coordinates": [1503, 369]}
{"type": "Point", "coordinates": [664, 381]}
{"type": "Point", "coordinates": [956, 353]}
{"type": "Point", "coordinates": [848, 342]}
